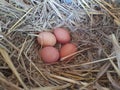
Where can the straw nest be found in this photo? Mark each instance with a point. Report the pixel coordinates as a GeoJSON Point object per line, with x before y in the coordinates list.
{"type": "Point", "coordinates": [94, 26]}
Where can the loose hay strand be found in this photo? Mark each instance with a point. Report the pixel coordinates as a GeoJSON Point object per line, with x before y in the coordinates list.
{"type": "Point", "coordinates": [113, 64]}
{"type": "Point", "coordinates": [65, 79]}
{"type": "Point", "coordinates": [84, 8]}
{"type": "Point", "coordinates": [14, 26]}
{"type": "Point", "coordinates": [36, 67]}
{"type": "Point", "coordinates": [56, 10]}
{"type": "Point", "coordinates": [107, 4]}
{"type": "Point", "coordinates": [9, 84]}
{"type": "Point", "coordinates": [52, 87]}
{"type": "Point", "coordinates": [12, 67]}
{"type": "Point", "coordinates": [11, 44]}
{"type": "Point", "coordinates": [62, 59]}
{"type": "Point", "coordinates": [113, 15]}
{"type": "Point", "coordinates": [92, 62]}
{"type": "Point", "coordinates": [22, 48]}
{"type": "Point", "coordinates": [117, 48]}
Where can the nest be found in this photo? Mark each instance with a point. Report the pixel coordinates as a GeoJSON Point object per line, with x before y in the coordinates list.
{"type": "Point", "coordinates": [94, 26]}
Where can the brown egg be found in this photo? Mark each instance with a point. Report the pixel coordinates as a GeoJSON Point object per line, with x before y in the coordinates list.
{"type": "Point", "coordinates": [46, 39]}
{"type": "Point", "coordinates": [49, 54]}
{"type": "Point", "coordinates": [67, 49]}
{"type": "Point", "coordinates": [62, 35]}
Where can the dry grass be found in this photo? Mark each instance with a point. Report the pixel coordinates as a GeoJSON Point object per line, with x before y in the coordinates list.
{"type": "Point", "coordinates": [95, 28]}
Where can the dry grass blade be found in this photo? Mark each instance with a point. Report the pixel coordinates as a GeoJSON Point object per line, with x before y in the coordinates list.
{"type": "Point", "coordinates": [62, 59]}
{"type": "Point", "coordinates": [21, 3]}
{"type": "Point", "coordinates": [84, 8]}
{"type": "Point", "coordinates": [3, 67]}
{"type": "Point", "coordinates": [53, 87]}
{"type": "Point", "coordinates": [38, 70]}
{"type": "Point", "coordinates": [113, 64]}
{"type": "Point", "coordinates": [11, 44]}
{"type": "Point", "coordinates": [5, 3]}
{"type": "Point", "coordinates": [85, 3]}
{"type": "Point", "coordinates": [2, 46]}
{"type": "Point", "coordinates": [55, 9]}
{"type": "Point", "coordinates": [75, 77]}
{"type": "Point", "coordinates": [36, 67]}
{"type": "Point", "coordinates": [96, 13]}
{"type": "Point", "coordinates": [9, 85]}
{"type": "Point", "coordinates": [107, 4]}
{"type": "Point", "coordinates": [118, 22]}
{"type": "Point", "coordinates": [14, 26]}
{"type": "Point", "coordinates": [58, 5]}
{"type": "Point", "coordinates": [114, 83]}
{"type": "Point", "coordinates": [65, 79]}
{"type": "Point", "coordinates": [116, 48]}
{"type": "Point", "coordinates": [99, 87]}
{"type": "Point", "coordinates": [113, 15]}
{"type": "Point", "coordinates": [10, 64]}
{"type": "Point", "coordinates": [103, 69]}
{"type": "Point", "coordinates": [96, 61]}
{"type": "Point", "coordinates": [85, 85]}
{"type": "Point", "coordinates": [106, 9]}
{"type": "Point", "coordinates": [21, 49]}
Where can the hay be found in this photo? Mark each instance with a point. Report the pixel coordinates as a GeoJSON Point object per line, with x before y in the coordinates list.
{"type": "Point", "coordinates": [95, 28]}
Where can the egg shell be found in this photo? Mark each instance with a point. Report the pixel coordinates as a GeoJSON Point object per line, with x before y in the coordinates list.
{"type": "Point", "coordinates": [67, 49]}
{"type": "Point", "coordinates": [46, 39]}
{"type": "Point", "coordinates": [49, 54]}
{"type": "Point", "coordinates": [62, 35]}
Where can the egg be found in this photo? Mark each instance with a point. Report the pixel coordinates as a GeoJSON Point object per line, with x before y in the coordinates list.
{"type": "Point", "coordinates": [49, 54]}
{"type": "Point", "coordinates": [46, 39]}
{"type": "Point", "coordinates": [67, 49]}
{"type": "Point", "coordinates": [62, 35]}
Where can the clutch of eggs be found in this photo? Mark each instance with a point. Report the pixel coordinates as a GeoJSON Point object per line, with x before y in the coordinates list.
{"type": "Point", "coordinates": [49, 53]}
